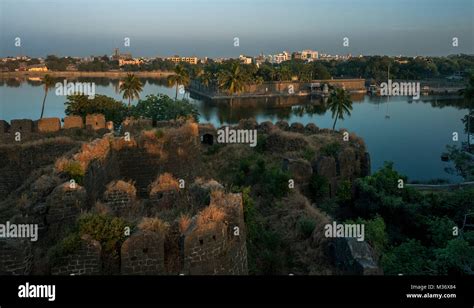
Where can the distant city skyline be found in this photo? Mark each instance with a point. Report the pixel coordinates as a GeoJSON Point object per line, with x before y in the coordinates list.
{"type": "Point", "coordinates": [208, 27]}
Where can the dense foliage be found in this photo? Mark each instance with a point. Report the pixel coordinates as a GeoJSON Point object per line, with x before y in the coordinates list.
{"type": "Point", "coordinates": [161, 107]}
{"type": "Point", "coordinates": [413, 232]}
{"type": "Point", "coordinates": [81, 105]}
{"type": "Point", "coordinates": [157, 107]}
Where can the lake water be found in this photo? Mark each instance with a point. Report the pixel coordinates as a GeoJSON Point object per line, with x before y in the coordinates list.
{"type": "Point", "coordinates": [412, 134]}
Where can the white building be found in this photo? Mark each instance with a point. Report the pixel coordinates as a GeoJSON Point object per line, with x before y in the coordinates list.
{"type": "Point", "coordinates": [281, 57]}
{"type": "Point", "coordinates": [245, 59]}
{"type": "Point", "coordinates": [309, 55]}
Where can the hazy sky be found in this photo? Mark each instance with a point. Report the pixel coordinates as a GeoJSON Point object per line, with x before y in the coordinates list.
{"type": "Point", "coordinates": [208, 27]}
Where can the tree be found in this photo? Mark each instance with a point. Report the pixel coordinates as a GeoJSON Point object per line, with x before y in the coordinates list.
{"type": "Point", "coordinates": [410, 258]}
{"type": "Point", "coordinates": [180, 77]}
{"type": "Point", "coordinates": [283, 73]}
{"type": "Point", "coordinates": [340, 103]}
{"type": "Point", "coordinates": [131, 88]}
{"type": "Point", "coordinates": [206, 78]}
{"type": "Point", "coordinates": [456, 257]}
{"type": "Point", "coordinates": [468, 93]}
{"type": "Point", "coordinates": [48, 82]}
{"type": "Point", "coordinates": [81, 105]}
{"type": "Point", "coordinates": [233, 80]}
{"type": "Point", "coordinates": [162, 108]}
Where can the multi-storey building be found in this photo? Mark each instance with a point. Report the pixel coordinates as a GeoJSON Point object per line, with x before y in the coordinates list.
{"type": "Point", "coordinates": [178, 59]}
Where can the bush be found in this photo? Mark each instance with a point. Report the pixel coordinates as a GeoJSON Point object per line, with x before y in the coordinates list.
{"type": "Point", "coordinates": [331, 149]}
{"type": "Point", "coordinates": [81, 105]}
{"type": "Point", "coordinates": [440, 230]}
{"type": "Point", "coordinates": [267, 179]}
{"type": "Point", "coordinates": [375, 232]}
{"type": "Point", "coordinates": [214, 149]}
{"type": "Point", "coordinates": [410, 258]}
{"type": "Point", "coordinates": [344, 191]}
{"type": "Point", "coordinates": [276, 182]}
{"type": "Point", "coordinates": [107, 230]}
{"type": "Point", "coordinates": [308, 154]}
{"type": "Point", "coordinates": [163, 108]}
{"type": "Point", "coordinates": [261, 143]}
{"type": "Point", "coordinates": [159, 133]}
{"type": "Point", "coordinates": [65, 247]}
{"type": "Point", "coordinates": [75, 171]}
{"type": "Point", "coordinates": [249, 214]}
{"type": "Point", "coordinates": [319, 187]}
{"type": "Point", "coordinates": [306, 226]}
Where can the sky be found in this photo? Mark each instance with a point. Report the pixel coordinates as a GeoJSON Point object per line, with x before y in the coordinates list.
{"type": "Point", "coordinates": [209, 27]}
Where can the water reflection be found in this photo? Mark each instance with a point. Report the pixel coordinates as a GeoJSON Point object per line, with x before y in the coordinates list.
{"type": "Point", "coordinates": [414, 136]}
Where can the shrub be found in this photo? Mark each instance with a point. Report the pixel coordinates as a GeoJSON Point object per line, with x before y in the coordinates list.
{"type": "Point", "coordinates": [331, 149]}
{"type": "Point", "coordinates": [75, 171]}
{"type": "Point", "coordinates": [107, 230]}
{"type": "Point", "coordinates": [65, 247]}
{"type": "Point", "coordinates": [211, 213]}
{"type": "Point", "coordinates": [440, 230]}
{"type": "Point", "coordinates": [276, 182]}
{"type": "Point", "coordinates": [81, 105]}
{"type": "Point", "coordinates": [159, 133]}
{"type": "Point", "coordinates": [153, 225]}
{"type": "Point", "coordinates": [163, 108]}
{"type": "Point", "coordinates": [249, 214]}
{"type": "Point", "coordinates": [410, 258]}
{"type": "Point", "coordinates": [214, 149]}
{"type": "Point", "coordinates": [184, 222]}
{"type": "Point", "coordinates": [344, 191]}
{"type": "Point", "coordinates": [319, 187]}
{"type": "Point", "coordinates": [306, 226]}
{"type": "Point", "coordinates": [375, 232]}
{"type": "Point", "coordinates": [261, 143]}
{"type": "Point", "coordinates": [308, 154]}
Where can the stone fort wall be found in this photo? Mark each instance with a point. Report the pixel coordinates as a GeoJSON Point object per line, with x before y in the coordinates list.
{"type": "Point", "coordinates": [205, 246]}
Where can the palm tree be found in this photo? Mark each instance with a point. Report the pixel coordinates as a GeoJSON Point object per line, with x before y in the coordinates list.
{"type": "Point", "coordinates": [468, 93]}
{"type": "Point", "coordinates": [197, 71]}
{"type": "Point", "coordinates": [283, 73]}
{"type": "Point", "coordinates": [180, 77]}
{"type": "Point", "coordinates": [48, 83]}
{"type": "Point", "coordinates": [233, 80]}
{"type": "Point", "coordinates": [206, 78]}
{"type": "Point", "coordinates": [340, 103]}
{"type": "Point", "coordinates": [131, 88]}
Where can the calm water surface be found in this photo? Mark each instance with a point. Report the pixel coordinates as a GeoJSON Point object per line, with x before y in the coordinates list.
{"type": "Point", "coordinates": [412, 134]}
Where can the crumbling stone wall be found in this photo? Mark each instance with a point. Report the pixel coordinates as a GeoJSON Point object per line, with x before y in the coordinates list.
{"type": "Point", "coordinates": [64, 205]}
{"type": "Point", "coordinates": [213, 247]}
{"type": "Point", "coordinates": [164, 191]}
{"type": "Point", "coordinates": [95, 121]}
{"type": "Point", "coordinates": [17, 161]}
{"type": "Point", "coordinates": [136, 164]}
{"type": "Point", "coordinates": [73, 122]}
{"type": "Point", "coordinates": [120, 197]}
{"type": "Point", "coordinates": [101, 170]}
{"type": "Point", "coordinates": [85, 260]}
{"type": "Point", "coordinates": [143, 254]}
{"type": "Point", "coordinates": [49, 125]}
{"type": "Point", "coordinates": [34, 130]}
{"type": "Point", "coordinates": [16, 257]}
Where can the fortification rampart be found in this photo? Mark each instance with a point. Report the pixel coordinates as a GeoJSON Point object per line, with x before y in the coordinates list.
{"type": "Point", "coordinates": [21, 130]}
{"type": "Point", "coordinates": [129, 176]}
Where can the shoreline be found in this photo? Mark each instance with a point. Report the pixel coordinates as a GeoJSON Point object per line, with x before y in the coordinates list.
{"type": "Point", "coordinates": [109, 74]}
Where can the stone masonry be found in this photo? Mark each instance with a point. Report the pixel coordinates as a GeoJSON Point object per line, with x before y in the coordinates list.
{"type": "Point", "coordinates": [85, 261]}
{"type": "Point", "coordinates": [143, 254]}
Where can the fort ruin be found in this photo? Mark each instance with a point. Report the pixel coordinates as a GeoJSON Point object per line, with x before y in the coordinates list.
{"type": "Point", "coordinates": [180, 220]}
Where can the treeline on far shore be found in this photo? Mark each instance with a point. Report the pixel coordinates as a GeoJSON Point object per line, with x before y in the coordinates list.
{"type": "Point", "coordinates": [372, 68]}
